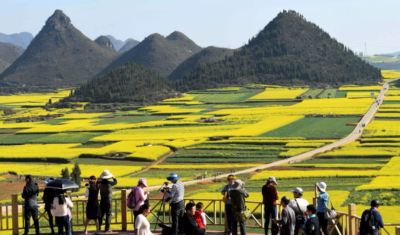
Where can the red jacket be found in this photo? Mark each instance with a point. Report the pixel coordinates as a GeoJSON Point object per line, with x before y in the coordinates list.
{"type": "Point", "coordinates": [199, 219]}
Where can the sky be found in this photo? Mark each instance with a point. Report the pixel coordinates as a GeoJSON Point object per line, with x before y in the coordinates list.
{"type": "Point", "coordinates": [222, 23]}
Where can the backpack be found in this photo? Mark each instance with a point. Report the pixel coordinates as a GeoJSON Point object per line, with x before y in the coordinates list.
{"type": "Point", "coordinates": [131, 200]}
{"type": "Point", "coordinates": [367, 223]}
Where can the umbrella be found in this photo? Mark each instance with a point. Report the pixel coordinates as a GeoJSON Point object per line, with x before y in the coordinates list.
{"type": "Point", "coordinates": [62, 184]}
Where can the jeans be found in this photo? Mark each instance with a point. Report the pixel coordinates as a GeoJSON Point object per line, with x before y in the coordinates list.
{"type": "Point", "coordinates": [177, 214]}
{"type": "Point", "coordinates": [105, 208]}
{"type": "Point", "coordinates": [51, 221]}
{"type": "Point", "coordinates": [229, 215]}
{"type": "Point", "coordinates": [323, 223]}
{"type": "Point", "coordinates": [31, 211]}
{"type": "Point", "coordinates": [63, 222]}
{"type": "Point", "coordinates": [270, 212]}
{"type": "Point", "coordinates": [242, 227]}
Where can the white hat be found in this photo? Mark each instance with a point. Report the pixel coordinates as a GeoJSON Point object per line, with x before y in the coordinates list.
{"type": "Point", "coordinates": [238, 184]}
{"type": "Point", "coordinates": [322, 186]}
{"type": "Point", "coordinates": [272, 179]}
{"type": "Point", "coordinates": [106, 175]}
{"type": "Point", "coordinates": [297, 190]}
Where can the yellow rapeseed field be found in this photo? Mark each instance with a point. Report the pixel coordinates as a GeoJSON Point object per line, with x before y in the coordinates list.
{"type": "Point", "coordinates": [298, 174]}
{"type": "Point", "coordinates": [283, 93]}
{"type": "Point", "coordinates": [204, 166]}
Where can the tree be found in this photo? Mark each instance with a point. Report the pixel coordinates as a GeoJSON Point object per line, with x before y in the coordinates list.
{"type": "Point", "coordinates": [76, 176]}
{"type": "Point", "coordinates": [65, 173]}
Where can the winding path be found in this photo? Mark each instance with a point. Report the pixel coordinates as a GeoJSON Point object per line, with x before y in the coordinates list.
{"type": "Point", "coordinates": [353, 136]}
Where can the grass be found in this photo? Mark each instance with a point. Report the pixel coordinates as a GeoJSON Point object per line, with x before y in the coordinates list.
{"type": "Point", "coordinates": [312, 127]}
{"type": "Point", "coordinates": [20, 138]}
{"type": "Point", "coordinates": [333, 92]}
{"type": "Point", "coordinates": [223, 98]}
{"type": "Point", "coordinates": [311, 94]}
{"type": "Point", "coordinates": [80, 137]}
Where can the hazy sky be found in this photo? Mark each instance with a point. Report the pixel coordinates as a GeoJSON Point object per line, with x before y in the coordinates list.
{"type": "Point", "coordinates": [224, 23]}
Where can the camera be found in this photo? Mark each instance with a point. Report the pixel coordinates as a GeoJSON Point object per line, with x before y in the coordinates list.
{"type": "Point", "coordinates": [86, 185]}
{"type": "Point", "coordinates": [162, 189]}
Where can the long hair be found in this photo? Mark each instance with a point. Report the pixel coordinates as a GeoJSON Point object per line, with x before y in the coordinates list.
{"type": "Point", "coordinates": [143, 207]}
{"type": "Point", "coordinates": [61, 199]}
{"type": "Point", "coordinates": [93, 183]}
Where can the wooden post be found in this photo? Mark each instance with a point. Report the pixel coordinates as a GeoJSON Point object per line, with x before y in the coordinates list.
{"type": "Point", "coordinates": [123, 209]}
{"type": "Point", "coordinates": [397, 230]}
{"type": "Point", "coordinates": [352, 220]}
{"type": "Point", "coordinates": [262, 215]}
{"type": "Point", "coordinates": [14, 209]}
{"type": "Point", "coordinates": [69, 194]}
{"type": "Point", "coordinates": [314, 201]}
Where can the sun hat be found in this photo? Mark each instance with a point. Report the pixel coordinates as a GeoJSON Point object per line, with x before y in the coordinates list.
{"type": "Point", "coordinates": [238, 184]}
{"type": "Point", "coordinates": [297, 190]}
{"type": "Point", "coordinates": [173, 177]}
{"type": "Point", "coordinates": [48, 180]}
{"type": "Point", "coordinates": [322, 186]}
{"type": "Point", "coordinates": [106, 175]}
{"type": "Point", "coordinates": [143, 181]}
{"type": "Point", "coordinates": [231, 177]}
{"type": "Point", "coordinates": [272, 179]}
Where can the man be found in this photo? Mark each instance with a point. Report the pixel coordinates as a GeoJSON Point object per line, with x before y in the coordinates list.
{"type": "Point", "coordinates": [288, 220]}
{"type": "Point", "coordinates": [30, 193]}
{"type": "Point", "coordinates": [106, 198]}
{"type": "Point", "coordinates": [371, 220]}
{"type": "Point", "coordinates": [176, 194]}
{"type": "Point", "coordinates": [190, 225]}
{"type": "Point", "coordinates": [48, 197]}
{"type": "Point", "coordinates": [311, 227]}
{"type": "Point", "coordinates": [299, 206]}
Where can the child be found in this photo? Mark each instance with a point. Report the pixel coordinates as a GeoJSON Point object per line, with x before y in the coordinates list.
{"type": "Point", "coordinates": [311, 226]}
{"type": "Point", "coordinates": [200, 216]}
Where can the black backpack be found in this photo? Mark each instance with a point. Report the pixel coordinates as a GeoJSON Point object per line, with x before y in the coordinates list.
{"type": "Point", "coordinates": [367, 223]}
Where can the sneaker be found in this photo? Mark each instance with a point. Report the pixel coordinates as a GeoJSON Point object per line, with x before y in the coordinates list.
{"type": "Point", "coordinates": [85, 231]}
{"type": "Point", "coordinates": [108, 231]}
{"type": "Point", "coordinates": [95, 233]}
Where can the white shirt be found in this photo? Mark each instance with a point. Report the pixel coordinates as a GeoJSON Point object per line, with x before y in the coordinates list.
{"type": "Point", "coordinates": [303, 203]}
{"type": "Point", "coordinates": [142, 225]}
{"type": "Point", "coordinates": [62, 210]}
{"type": "Point", "coordinates": [177, 192]}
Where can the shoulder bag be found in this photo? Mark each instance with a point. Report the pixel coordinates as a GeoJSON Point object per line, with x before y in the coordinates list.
{"type": "Point", "coordinates": [244, 214]}
{"type": "Point", "coordinates": [300, 217]}
{"type": "Point", "coordinates": [225, 197]}
{"type": "Point", "coordinates": [329, 214]}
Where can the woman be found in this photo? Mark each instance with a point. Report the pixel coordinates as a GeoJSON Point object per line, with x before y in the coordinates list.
{"type": "Point", "coordinates": [227, 188]}
{"type": "Point", "coordinates": [142, 226]}
{"type": "Point", "coordinates": [92, 206]}
{"type": "Point", "coordinates": [237, 205]}
{"type": "Point", "coordinates": [140, 197]}
{"type": "Point", "coordinates": [322, 202]}
{"type": "Point", "coordinates": [61, 204]}
{"type": "Point", "coordinates": [270, 196]}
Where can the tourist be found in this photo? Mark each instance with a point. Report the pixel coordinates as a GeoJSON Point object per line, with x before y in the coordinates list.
{"type": "Point", "coordinates": [190, 226]}
{"type": "Point", "coordinates": [237, 205]}
{"type": "Point", "coordinates": [270, 196]}
{"type": "Point", "coordinates": [142, 225]}
{"type": "Point", "coordinates": [106, 198]}
{"type": "Point", "coordinates": [92, 206]}
{"type": "Point", "coordinates": [48, 197]}
{"type": "Point", "coordinates": [200, 215]}
{"type": "Point", "coordinates": [140, 197]}
{"type": "Point", "coordinates": [226, 192]}
{"type": "Point", "coordinates": [371, 214]}
{"type": "Point", "coordinates": [61, 205]}
{"type": "Point", "coordinates": [299, 205]}
{"type": "Point", "coordinates": [288, 218]}
{"type": "Point", "coordinates": [176, 194]}
{"type": "Point", "coordinates": [311, 227]}
{"type": "Point", "coordinates": [322, 202]}
{"type": "Point", "coordinates": [30, 193]}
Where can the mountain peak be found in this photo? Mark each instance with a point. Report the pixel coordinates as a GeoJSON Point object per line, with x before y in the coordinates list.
{"type": "Point", "coordinates": [106, 43]}
{"type": "Point", "coordinates": [176, 35]}
{"type": "Point", "coordinates": [58, 20]}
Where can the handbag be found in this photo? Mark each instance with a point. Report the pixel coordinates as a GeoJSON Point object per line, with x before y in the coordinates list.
{"type": "Point", "coordinates": [225, 197]}
{"type": "Point", "coordinates": [274, 229]}
{"type": "Point", "coordinates": [243, 215]}
{"type": "Point", "coordinates": [330, 214]}
{"type": "Point", "coordinates": [301, 216]}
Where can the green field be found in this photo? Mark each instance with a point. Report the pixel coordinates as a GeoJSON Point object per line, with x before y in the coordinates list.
{"type": "Point", "coordinates": [313, 127]}
{"type": "Point", "coordinates": [311, 93]}
{"type": "Point", "coordinates": [333, 93]}
{"type": "Point", "coordinates": [223, 98]}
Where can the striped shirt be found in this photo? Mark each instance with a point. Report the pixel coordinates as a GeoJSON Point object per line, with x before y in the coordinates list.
{"type": "Point", "coordinates": [177, 192]}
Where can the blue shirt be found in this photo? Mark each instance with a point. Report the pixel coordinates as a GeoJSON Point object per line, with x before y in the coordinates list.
{"type": "Point", "coordinates": [378, 219]}
{"type": "Point", "coordinates": [322, 201]}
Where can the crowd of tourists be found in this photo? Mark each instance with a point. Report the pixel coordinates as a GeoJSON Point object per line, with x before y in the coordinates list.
{"type": "Point", "coordinates": [297, 215]}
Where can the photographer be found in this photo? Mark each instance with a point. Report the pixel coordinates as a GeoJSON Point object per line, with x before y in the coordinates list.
{"type": "Point", "coordinates": [176, 195]}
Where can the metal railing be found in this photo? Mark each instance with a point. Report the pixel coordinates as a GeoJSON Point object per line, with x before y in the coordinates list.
{"type": "Point", "coordinates": [12, 216]}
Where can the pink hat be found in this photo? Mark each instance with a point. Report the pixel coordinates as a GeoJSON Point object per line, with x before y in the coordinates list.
{"type": "Point", "coordinates": [143, 181]}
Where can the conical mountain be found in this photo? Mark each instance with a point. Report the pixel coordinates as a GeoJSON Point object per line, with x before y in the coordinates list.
{"type": "Point", "coordinates": [106, 43]}
{"type": "Point", "coordinates": [8, 54]}
{"type": "Point", "coordinates": [127, 83]}
{"type": "Point", "coordinates": [289, 51]}
{"type": "Point", "coordinates": [158, 53]}
{"type": "Point", "coordinates": [129, 44]}
{"type": "Point", "coordinates": [207, 55]}
{"type": "Point", "coordinates": [116, 42]}
{"type": "Point", "coordinates": [60, 55]}
{"type": "Point", "coordinates": [20, 39]}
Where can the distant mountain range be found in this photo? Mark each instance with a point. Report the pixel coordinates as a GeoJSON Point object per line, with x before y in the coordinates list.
{"type": "Point", "coordinates": [158, 53]}
{"type": "Point", "coordinates": [122, 46]}
{"type": "Point", "coordinates": [20, 39]}
{"type": "Point", "coordinates": [60, 55]}
{"type": "Point", "coordinates": [8, 54]}
{"type": "Point", "coordinates": [129, 44]}
{"type": "Point", "coordinates": [106, 43]}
